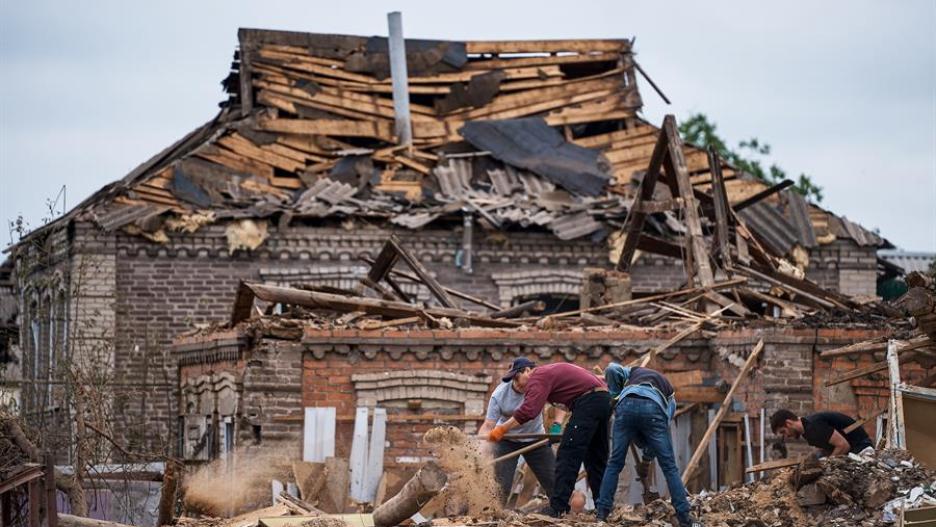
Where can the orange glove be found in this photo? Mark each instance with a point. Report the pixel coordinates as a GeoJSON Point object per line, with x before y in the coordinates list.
{"type": "Point", "coordinates": [497, 433]}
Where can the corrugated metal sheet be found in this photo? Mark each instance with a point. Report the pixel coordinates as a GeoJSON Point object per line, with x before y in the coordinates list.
{"type": "Point", "coordinates": [413, 220]}
{"type": "Point", "coordinates": [505, 183]}
{"type": "Point", "coordinates": [533, 185]}
{"type": "Point", "coordinates": [531, 144]}
{"type": "Point", "coordinates": [771, 227]}
{"type": "Point", "coordinates": [327, 190]}
{"type": "Point", "coordinates": [455, 178]}
{"type": "Point", "coordinates": [574, 226]}
{"type": "Point", "coordinates": [118, 215]}
{"type": "Point", "coordinates": [799, 214]}
{"type": "Point", "coordinates": [862, 236]}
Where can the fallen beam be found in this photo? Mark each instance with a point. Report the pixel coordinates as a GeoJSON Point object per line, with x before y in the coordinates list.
{"type": "Point", "coordinates": [454, 292]}
{"type": "Point", "coordinates": [652, 298]}
{"type": "Point", "coordinates": [286, 295]}
{"type": "Point", "coordinates": [722, 411]}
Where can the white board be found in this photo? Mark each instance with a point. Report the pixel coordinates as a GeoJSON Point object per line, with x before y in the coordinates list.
{"type": "Point", "coordinates": [375, 455]}
{"type": "Point", "coordinates": [318, 434]}
{"type": "Point", "coordinates": [358, 460]}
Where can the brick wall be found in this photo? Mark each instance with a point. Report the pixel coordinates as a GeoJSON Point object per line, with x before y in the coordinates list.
{"type": "Point", "coordinates": [845, 267]}
{"type": "Point", "coordinates": [136, 296]}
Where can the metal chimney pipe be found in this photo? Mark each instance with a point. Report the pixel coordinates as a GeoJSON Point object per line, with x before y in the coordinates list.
{"type": "Point", "coordinates": [403, 128]}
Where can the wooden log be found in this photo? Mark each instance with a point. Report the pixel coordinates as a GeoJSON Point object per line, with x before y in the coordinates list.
{"type": "Point", "coordinates": [722, 411]}
{"type": "Point", "coordinates": [67, 520]}
{"type": "Point", "coordinates": [426, 483]}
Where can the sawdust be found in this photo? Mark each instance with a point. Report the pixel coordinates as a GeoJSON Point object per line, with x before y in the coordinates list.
{"type": "Point", "coordinates": [225, 489]}
{"type": "Point", "coordinates": [471, 487]}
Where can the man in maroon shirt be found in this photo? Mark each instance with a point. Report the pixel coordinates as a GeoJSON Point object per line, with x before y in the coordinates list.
{"type": "Point", "coordinates": [586, 436]}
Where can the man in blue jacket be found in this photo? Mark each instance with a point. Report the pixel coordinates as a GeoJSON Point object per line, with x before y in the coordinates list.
{"type": "Point", "coordinates": [644, 405]}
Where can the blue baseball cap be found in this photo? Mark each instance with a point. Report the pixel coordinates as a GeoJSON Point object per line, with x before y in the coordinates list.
{"type": "Point", "coordinates": [519, 364]}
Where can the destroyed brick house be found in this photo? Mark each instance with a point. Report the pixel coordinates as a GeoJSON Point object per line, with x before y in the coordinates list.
{"type": "Point", "coordinates": [526, 162]}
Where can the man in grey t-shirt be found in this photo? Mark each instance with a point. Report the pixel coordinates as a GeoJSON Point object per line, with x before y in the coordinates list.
{"type": "Point", "coordinates": [505, 399]}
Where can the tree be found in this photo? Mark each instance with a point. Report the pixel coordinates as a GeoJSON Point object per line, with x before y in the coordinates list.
{"type": "Point", "coordinates": [747, 157]}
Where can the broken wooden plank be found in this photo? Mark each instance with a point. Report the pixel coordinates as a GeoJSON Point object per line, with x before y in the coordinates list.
{"type": "Point", "coordinates": [651, 298]}
{"type": "Point", "coordinates": [720, 200]}
{"type": "Point", "coordinates": [773, 465]}
{"type": "Point", "coordinates": [860, 422]}
{"type": "Point", "coordinates": [678, 178]}
{"type": "Point", "coordinates": [867, 370]}
{"type": "Point", "coordinates": [722, 411]}
{"type": "Point", "coordinates": [760, 196]}
{"type": "Point", "coordinates": [633, 225]}
{"type": "Point", "coordinates": [340, 127]}
{"type": "Point", "coordinates": [545, 46]}
{"type": "Point", "coordinates": [434, 286]}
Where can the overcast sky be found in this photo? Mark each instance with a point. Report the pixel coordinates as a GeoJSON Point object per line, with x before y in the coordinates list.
{"type": "Point", "coordinates": [844, 91]}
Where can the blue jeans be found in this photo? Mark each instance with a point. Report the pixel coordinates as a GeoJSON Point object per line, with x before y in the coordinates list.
{"type": "Point", "coordinates": [640, 419]}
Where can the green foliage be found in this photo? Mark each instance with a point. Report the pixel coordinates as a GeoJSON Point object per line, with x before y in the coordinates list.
{"type": "Point", "coordinates": [748, 156]}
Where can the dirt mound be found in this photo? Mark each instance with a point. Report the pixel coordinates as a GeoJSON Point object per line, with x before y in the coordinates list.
{"type": "Point", "coordinates": [471, 488]}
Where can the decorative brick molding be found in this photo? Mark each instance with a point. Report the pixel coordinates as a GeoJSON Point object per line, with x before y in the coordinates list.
{"type": "Point", "coordinates": [229, 348]}
{"type": "Point", "coordinates": [372, 389]}
{"type": "Point", "coordinates": [330, 244]}
{"type": "Point", "coordinates": [536, 282]}
{"type": "Point", "coordinates": [210, 393]}
{"type": "Point", "coordinates": [473, 345]}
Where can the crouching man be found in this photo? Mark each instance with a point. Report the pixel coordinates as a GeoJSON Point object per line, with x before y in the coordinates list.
{"type": "Point", "coordinates": [586, 435]}
{"type": "Point", "coordinates": [823, 430]}
{"type": "Point", "coordinates": [505, 400]}
{"type": "Point", "coordinates": [644, 404]}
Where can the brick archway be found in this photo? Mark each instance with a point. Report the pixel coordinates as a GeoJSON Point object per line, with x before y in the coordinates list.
{"type": "Point", "coordinates": [371, 389]}
{"type": "Point", "coordinates": [511, 286]}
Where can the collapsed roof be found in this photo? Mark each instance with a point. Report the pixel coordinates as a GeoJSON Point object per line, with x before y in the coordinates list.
{"type": "Point", "coordinates": [520, 134]}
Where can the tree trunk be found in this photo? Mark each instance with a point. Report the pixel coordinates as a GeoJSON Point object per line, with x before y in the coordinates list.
{"type": "Point", "coordinates": [167, 496]}
{"type": "Point", "coordinates": [426, 483]}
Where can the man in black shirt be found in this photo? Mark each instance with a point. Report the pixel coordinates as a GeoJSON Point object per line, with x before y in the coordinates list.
{"type": "Point", "coordinates": [823, 430]}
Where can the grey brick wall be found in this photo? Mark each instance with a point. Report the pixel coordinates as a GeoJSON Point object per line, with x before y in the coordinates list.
{"type": "Point", "coordinates": [137, 296]}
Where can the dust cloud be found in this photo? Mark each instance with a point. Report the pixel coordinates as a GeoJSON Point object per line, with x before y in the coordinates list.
{"type": "Point", "coordinates": [471, 486]}
{"type": "Point", "coordinates": [225, 488]}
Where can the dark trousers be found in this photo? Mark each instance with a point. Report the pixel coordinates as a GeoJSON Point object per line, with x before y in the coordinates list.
{"type": "Point", "coordinates": [640, 419]}
{"type": "Point", "coordinates": [542, 462]}
{"type": "Point", "coordinates": [585, 440]}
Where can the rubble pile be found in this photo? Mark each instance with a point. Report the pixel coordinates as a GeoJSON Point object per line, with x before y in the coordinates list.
{"type": "Point", "coordinates": [841, 491]}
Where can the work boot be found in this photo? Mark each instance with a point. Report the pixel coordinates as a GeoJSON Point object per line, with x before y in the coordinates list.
{"type": "Point", "coordinates": [601, 516]}
{"type": "Point", "coordinates": [548, 510]}
{"type": "Point", "coordinates": [690, 522]}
